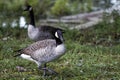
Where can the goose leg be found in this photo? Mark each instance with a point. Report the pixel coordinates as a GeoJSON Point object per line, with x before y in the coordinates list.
{"type": "Point", "coordinates": [43, 68]}
{"type": "Point", "coordinates": [47, 69]}
{"type": "Point", "coordinates": [44, 73]}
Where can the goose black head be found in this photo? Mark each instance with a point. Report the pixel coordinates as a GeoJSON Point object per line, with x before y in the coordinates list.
{"type": "Point", "coordinates": [27, 8]}
{"type": "Point", "coordinates": [59, 35]}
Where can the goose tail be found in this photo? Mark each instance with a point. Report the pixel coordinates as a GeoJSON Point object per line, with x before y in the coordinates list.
{"type": "Point", "coordinates": [19, 52]}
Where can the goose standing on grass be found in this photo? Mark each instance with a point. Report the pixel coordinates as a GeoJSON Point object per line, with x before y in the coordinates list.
{"type": "Point", "coordinates": [41, 32]}
{"type": "Point", "coordinates": [44, 51]}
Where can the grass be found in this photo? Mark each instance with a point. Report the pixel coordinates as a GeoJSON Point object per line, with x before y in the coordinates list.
{"type": "Point", "coordinates": [86, 58]}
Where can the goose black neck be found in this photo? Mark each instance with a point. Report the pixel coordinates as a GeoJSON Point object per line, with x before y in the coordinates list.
{"type": "Point", "coordinates": [58, 41]}
{"type": "Point", "coordinates": [32, 20]}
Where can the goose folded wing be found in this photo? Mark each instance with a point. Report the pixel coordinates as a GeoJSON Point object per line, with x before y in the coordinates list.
{"type": "Point", "coordinates": [50, 29]}
{"type": "Point", "coordinates": [36, 46]}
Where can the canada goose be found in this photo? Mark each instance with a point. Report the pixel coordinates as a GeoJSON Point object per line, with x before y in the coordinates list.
{"type": "Point", "coordinates": [44, 51]}
{"type": "Point", "coordinates": [42, 32]}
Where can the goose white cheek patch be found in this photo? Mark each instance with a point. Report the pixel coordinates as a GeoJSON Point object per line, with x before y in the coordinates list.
{"type": "Point", "coordinates": [56, 34]}
{"type": "Point", "coordinates": [30, 9]}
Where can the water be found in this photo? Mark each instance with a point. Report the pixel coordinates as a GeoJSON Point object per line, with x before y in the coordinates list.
{"type": "Point", "coordinates": [21, 23]}
{"type": "Point", "coordinates": [14, 24]}
{"type": "Point", "coordinates": [4, 24]}
{"type": "Point", "coordinates": [113, 1]}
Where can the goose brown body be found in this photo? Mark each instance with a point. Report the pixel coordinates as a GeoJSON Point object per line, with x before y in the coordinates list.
{"type": "Point", "coordinates": [43, 51]}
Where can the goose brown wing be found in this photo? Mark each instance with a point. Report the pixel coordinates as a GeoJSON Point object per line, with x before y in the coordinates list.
{"type": "Point", "coordinates": [38, 45]}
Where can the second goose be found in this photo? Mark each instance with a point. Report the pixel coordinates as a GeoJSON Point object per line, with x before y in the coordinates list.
{"type": "Point", "coordinates": [41, 32]}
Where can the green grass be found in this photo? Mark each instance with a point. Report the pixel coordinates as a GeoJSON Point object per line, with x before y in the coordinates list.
{"type": "Point", "coordinates": [84, 58]}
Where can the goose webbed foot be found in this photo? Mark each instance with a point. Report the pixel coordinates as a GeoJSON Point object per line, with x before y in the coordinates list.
{"type": "Point", "coordinates": [47, 69]}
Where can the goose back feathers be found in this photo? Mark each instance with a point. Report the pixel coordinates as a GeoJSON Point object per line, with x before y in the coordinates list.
{"type": "Point", "coordinates": [42, 32]}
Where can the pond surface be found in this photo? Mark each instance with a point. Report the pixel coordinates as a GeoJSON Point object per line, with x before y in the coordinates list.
{"type": "Point", "coordinates": [21, 22]}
